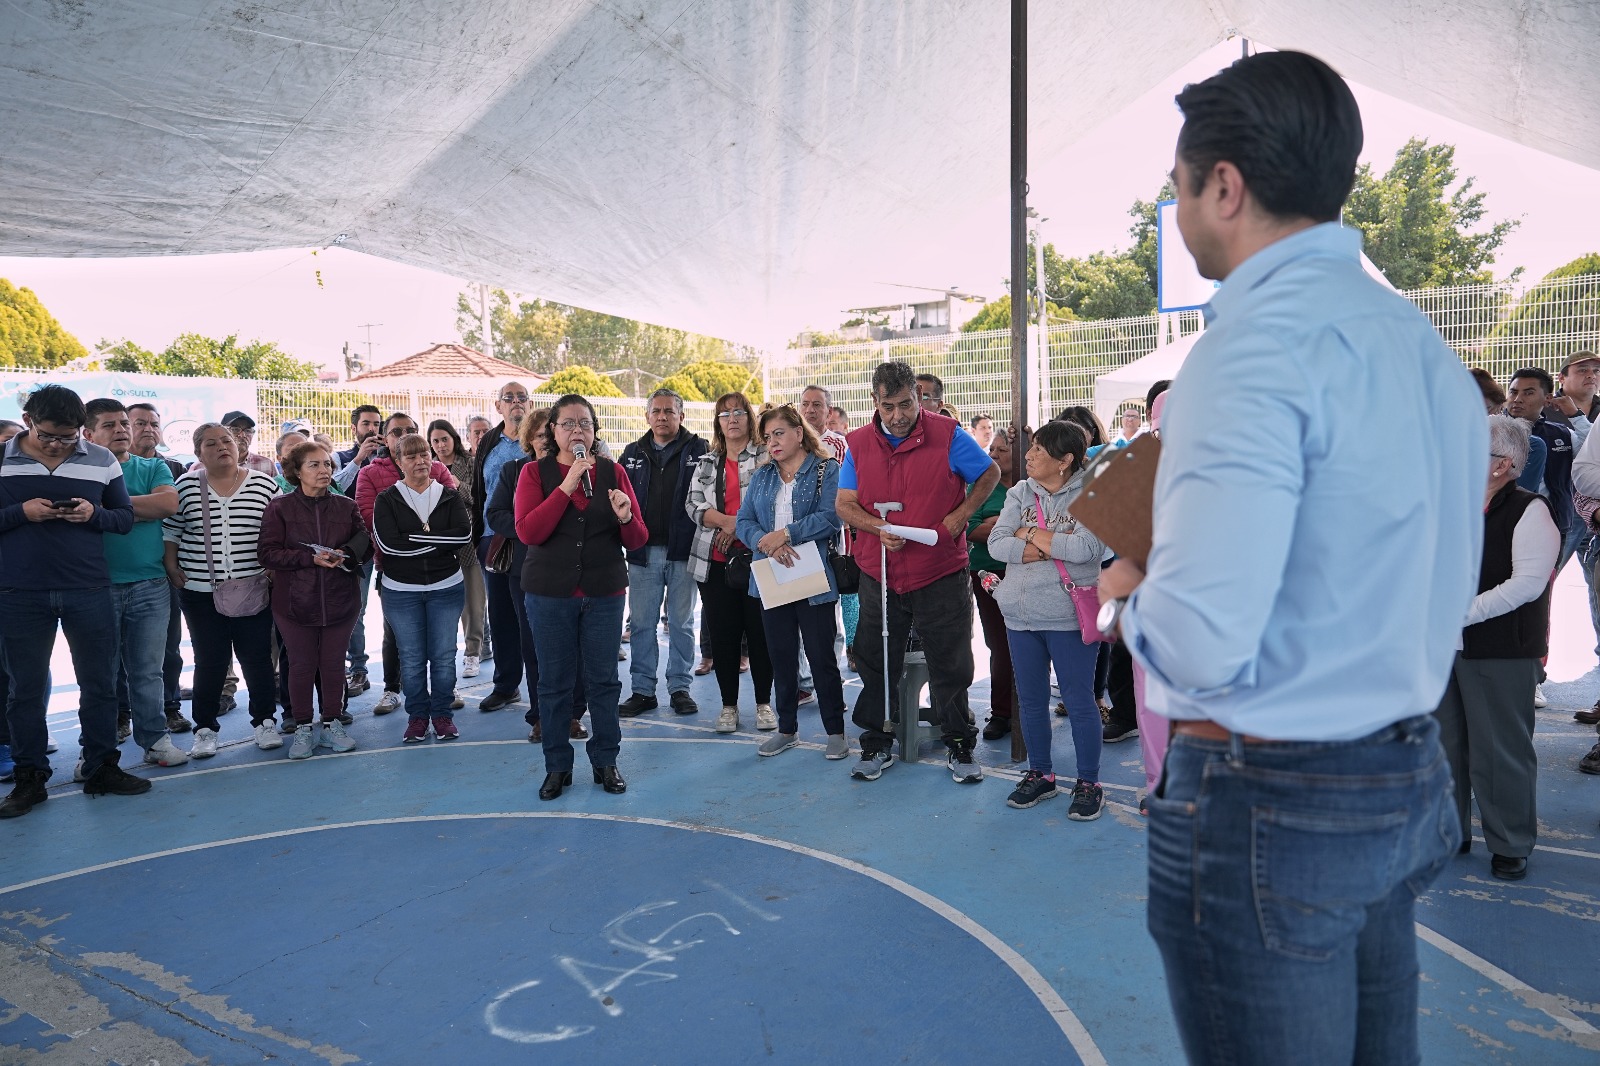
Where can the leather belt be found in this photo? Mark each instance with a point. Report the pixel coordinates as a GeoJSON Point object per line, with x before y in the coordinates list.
{"type": "Point", "coordinates": [1209, 730]}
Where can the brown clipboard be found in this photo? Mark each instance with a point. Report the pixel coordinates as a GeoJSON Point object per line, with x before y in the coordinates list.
{"type": "Point", "coordinates": [1118, 498]}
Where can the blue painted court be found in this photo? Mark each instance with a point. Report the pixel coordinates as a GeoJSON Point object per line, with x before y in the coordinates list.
{"type": "Point", "coordinates": [420, 905]}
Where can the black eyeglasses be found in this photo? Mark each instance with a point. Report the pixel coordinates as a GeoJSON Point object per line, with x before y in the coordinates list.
{"type": "Point", "coordinates": [513, 397]}
{"type": "Point", "coordinates": [54, 438]}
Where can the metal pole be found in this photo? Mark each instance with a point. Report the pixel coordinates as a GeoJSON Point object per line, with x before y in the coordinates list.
{"type": "Point", "coordinates": [1019, 260]}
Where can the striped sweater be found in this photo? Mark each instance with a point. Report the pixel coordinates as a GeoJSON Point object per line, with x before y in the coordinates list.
{"type": "Point", "coordinates": [56, 554]}
{"type": "Point", "coordinates": [235, 528]}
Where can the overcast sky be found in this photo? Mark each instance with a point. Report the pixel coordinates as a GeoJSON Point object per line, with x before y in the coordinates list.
{"type": "Point", "coordinates": [1084, 194]}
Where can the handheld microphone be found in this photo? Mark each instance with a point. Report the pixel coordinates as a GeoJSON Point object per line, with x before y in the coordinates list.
{"type": "Point", "coordinates": [580, 452]}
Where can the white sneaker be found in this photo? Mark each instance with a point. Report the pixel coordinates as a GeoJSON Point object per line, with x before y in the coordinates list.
{"type": "Point", "coordinates": [205, 744]}
{"type": "Point", "coordinates": [78, 774]}
{"type": "Point", "coordinates": [728, 720]}
{"type": "Point", "coordinates": [267, 736]}
{"type": "Point", "coordinates": [305, 743]}
{"type": "Point", "coordinates": [387, 703]}
{"type": "Point", "coordinates": [1538, 697]}
{"type": "Point", "coordinates": [765, 719]}
{"type": "Point", "coordinates": [165, 753]}
{"type": "Point", "coordinates": [469, 666]}
{"type": "Point", "coordinates": [335, 737]}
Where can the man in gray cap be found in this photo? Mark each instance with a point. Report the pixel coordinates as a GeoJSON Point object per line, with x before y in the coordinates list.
{"type": "Point", "coordinates": [243, 428]}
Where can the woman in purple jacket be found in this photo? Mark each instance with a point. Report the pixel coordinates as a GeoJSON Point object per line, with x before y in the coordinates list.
{"type": "Point", "coordinates": [313, 539]}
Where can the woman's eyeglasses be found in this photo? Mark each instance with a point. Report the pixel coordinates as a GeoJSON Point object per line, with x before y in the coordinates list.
{"type": "Point", "coordinates": [572, 425]}
{"type": "Point", "coordinates": [735, 412]}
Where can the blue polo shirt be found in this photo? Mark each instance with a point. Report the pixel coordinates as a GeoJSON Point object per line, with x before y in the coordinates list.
{"type": "Point", "coordinates": [136, 556]}
{"type": "Point", "coordinates": [55, 554]}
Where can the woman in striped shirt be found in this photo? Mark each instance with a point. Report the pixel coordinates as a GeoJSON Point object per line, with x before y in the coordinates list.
{"type": "Point", "coordinates": [236, 497]}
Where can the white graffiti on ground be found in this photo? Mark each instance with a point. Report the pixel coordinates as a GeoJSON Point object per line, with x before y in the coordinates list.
{"type": "Point", "coordinates": [655, 951]}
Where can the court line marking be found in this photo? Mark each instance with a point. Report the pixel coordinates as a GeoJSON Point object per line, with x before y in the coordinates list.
{"type": "Point", "coordinates": [1526, 993]}
{"type": "Point", "coordinates": [1069, 1024]}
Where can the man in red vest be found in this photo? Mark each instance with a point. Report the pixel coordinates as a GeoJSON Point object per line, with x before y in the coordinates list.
{"type": "Point", "coordinates": [939, 475]}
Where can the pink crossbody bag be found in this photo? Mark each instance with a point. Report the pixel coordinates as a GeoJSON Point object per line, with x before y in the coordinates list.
{"type": "Point", "coordinates": [1085, 599]}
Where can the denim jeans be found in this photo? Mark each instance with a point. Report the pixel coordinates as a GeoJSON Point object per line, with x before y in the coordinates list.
{"type": "Point", "coordinates": [648, 583]}
{"type": "Point", "coordinates": [27, 638]}
{"type": "Point", "coordinates": [573, 634]}
{"type": "Point", "coordinates": [1588, 559]}
{"type": "Point", "coordinates": [424, 625]}
{"type": "Point", "coordinates": [502, 592]}
{"type": "Point", "coordinates": [358, 635]}
{"type": "Point", "coordinates": [143, 609]}
{"type": "Point", "coordinates": [216, 639]}
{"type": "Point", "coordinates": [1283, 877]}
{"type": "Point", "coordinates": [786, 628]}
{"type": "Point", "coordinates": [942, 613]}
{"type": "Point", "coordinates": [1032, 653]}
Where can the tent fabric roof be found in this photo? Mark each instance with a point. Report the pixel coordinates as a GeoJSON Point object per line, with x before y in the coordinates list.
{"type": "Point", "coordinates": [705, 165]}
{"type": "Point", "coordinates": [452, 361]}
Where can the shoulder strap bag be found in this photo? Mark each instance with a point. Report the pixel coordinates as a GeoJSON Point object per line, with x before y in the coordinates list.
{"type": "Point", "coordinates": [846, 571]}
{"type": "Point", "coordinates": [1085, 599]}
{"type": "Point", "coordinates": [238, 597]}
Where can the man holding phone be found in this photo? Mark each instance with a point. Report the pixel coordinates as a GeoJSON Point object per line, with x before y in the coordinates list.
{"type": "Point", "coordinates": [59, 495]}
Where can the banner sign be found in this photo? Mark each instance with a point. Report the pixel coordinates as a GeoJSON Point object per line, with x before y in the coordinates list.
{"type": "Point", "coordinates": [184, 403]}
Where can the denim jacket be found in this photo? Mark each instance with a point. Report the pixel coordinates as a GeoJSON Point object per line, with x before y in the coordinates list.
{"type": "Point", "coordinates": [814, 516]}
{"type": "Point", "coordinates": [703, 497]}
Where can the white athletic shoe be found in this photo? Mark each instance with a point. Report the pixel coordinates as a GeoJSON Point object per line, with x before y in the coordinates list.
{"type": "Point", "coordinates": [267, 736]}
{"type": "Point", "coordinates": [728, 720]}
{"type": "Point", "coordinates": [1538, 697]}
{"type": "Point", "coordinates": [165, 753]}
{"type": "Point", "coordinates": [205, 744]}
{"type": "Point", "coordinates": [766, 720]}
{"type": "Point", "coordinates": [305, 743]}
{"type": "Point", "coordinates": [469, 666]}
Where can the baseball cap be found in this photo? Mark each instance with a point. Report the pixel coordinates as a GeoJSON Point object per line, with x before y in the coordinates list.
{"type": "Point", "coordinates": [299, 425]}
{"type": "Point", "coordinates": [238, 416]}
{"type": "Point", "coordinates": [1580, 357]}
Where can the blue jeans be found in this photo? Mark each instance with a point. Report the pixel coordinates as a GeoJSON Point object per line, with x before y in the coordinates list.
{"type": "Point", "coordinates": [358, 635]}
{"type": "Point", "coordinates": [1588, 559]}
{"type": "Point", "coordinates": [572, 633]}
{"type": "Point", "coordinates": [648, 583]}
{"type": "Point", "coordinates": [27, 638]}
{"type": "Point", "coordinates": [143, 609]}
{"type": "Point", "coordinates": [1283, 877]}
{"type": "Point", "coordinates": [787, 628]}
{"type": "Point", "coordinates": [424, 625]}
{"type": "Point", "coordinates": [1032, 652]}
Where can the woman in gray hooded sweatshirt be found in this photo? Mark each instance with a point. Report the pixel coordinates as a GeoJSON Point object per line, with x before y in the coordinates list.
{"type": "Point", "coordinates": [1044, 549]}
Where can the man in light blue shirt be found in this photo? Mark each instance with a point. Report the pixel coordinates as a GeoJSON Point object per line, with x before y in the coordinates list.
{"type": "Point", "coordinates": [1303, 602]}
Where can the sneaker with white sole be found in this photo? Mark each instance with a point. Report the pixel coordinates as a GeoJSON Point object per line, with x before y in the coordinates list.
{"type": "Point", "coordinates": [1088, 800]}
{"type": "Point", "coordinates": [205, 743]}
{"type": "Point", "coordinates": [387, 703]}
{"type": "Point", "coordinates": [838, 747]}
{"type": "Point", "coordinates": [728, 720]}
{"type": "Point", "coordinates": [469, 666]}
{"type": "Point", "coordinates": [165, 753]}
{"type": "Point", "coordinates": [335, 737]}
{"type": "Point", "coordinates": [77, 773]}
{"type": "Point", "coordinates": [766, 720]}
{"type": "Point", "coordinates": [267, 736]}
{"type": "Point", "coordinates": [304, 744]}
{"type": "Point", "coordinates": [1538, 697]}
{"type": "Point", "coordinates": [777, 744]}
{"type": "Point", "coordinates": [963, 768]}
{"type": "Point", "coordinates": [871, 765]}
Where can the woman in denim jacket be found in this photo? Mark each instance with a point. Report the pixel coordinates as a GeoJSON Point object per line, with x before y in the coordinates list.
{"type": "Point", "coordinates": [791, 502]}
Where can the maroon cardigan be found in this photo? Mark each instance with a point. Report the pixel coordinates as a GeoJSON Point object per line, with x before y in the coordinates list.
{"type": "Point", "coordinates": [304, 593]}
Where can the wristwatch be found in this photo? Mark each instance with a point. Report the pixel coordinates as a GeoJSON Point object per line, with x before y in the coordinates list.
{"type": "Point", "coordinates": [1110, 615]}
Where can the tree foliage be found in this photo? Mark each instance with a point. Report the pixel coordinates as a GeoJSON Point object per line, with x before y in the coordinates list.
{"type": "Point", "coordinates": [996, 314]}
{"type": "Point", "coordinates": [194, 355]}
{"type": "Point", "coordinates": [1565, 302]}
{"type": "Point", "coordinates": [1422, 228]}
{"type": "Point", "coordinates": [683, 385]}
{"type": "Point", "coordinates": [712, 378]}
{"type": "Point", "coordinates": [30, 336]}
{"type": "Point", "coordinates": [579, 379]}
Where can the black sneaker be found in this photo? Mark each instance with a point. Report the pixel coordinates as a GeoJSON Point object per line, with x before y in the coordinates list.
{"type": "Point", "coordinates": [1113, 733]}
{"type": "Point", "coordinates": [1590, 763]}
{"type": "Point", "coordinates": [288, 726]}
{"type": "Point", "coordinates": [962, 767]}
{"type": "Point", "coordinates": [27, 793]}
{"type": "Point", "coordinates": [1088, 799]}
{"type": "Point", "coordinates": [1035, 788]}
{"type": "Point", "coordinates": [682, 703]}
{"type": "Point", "coordinates": [109, 779]}
{"type": "Point", "coordinates": [637, 704]}
{"type": "Point", "coordinates": [355, 683]}
{"type": "Point", "coordinates": [496, 700]}
{"type": "Point", "coordinates": [997, 728]}
{"type": "Point", "coordinates": [176, 722]}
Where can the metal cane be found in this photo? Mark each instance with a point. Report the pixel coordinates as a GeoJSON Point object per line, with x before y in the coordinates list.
{"type": "Point", "coordinates": [884, 511]}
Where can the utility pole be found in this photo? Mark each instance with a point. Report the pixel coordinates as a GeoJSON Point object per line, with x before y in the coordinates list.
{"type": "Point", "coordinates": [1019, 259]}
{"type": "Point", "coordinates": [369, 327]}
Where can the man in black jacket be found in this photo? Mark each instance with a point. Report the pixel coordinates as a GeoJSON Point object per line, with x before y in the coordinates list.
{"type": "Point", "coordinates": [497, 448]}
{"type": "Point", "coordinates": [659, 464]}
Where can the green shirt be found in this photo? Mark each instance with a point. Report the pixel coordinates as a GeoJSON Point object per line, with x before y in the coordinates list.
{"type": "Point", "coordinates": [978, 557]}
{"type": "Point", "coordinates": [136, 555]}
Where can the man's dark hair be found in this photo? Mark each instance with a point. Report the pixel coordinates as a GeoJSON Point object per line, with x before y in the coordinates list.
{"type": "Point", "coordinates": [57, 404]}
{"type": "Point", "coordinates": [1287, 121]}
{"type": "Point", "coordinates": [364, 409]}
{"type": "Point", "coordinates": [384, 428]}
{"type": "Point", "coordinates": [102, 406]}
{"type": "Point", "coordinates": [132, 407]}
{"type": "Point", "coordinates": [889, 379]}
{"type": "Point", "coordinates": [938, 386]}
{"type": "Point", "coordinates": [1492, 392]}
{"type": "Point", "coordinates": [1541, 376]}
{"type": "Point", "coordinates": [1156, 390]}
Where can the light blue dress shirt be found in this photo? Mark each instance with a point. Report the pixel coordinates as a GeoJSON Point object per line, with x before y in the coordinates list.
{"type": "Point", "coordinates": [1319, 504]}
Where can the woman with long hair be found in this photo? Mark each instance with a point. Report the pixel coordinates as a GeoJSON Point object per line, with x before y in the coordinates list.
{"type": "Point", "coordinates": [721, 480]}
{"type": "Point", "coordinates": [448, 449]}
{"type": "Point", "coordinates": [1046, 552]}
{"type": "Point", "coordinates": [790, 502]}
{"type": "Point", "coordinates": [992, 622]}
{"type": "Point", "coordinates": [214, 538]}
{"type": "Point", "coordinates": [577, 514]}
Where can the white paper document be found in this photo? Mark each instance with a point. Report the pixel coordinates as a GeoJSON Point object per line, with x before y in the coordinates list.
{"type": "Point", "coordinates": [808, 563]}
{"type": "Point", "coordinates": [913, 533]}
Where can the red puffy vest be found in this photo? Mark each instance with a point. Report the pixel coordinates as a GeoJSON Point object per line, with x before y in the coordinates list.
{"type": "Point", "coordinates": [917, 474]}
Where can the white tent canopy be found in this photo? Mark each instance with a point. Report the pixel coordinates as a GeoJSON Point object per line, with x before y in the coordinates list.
{"type": "Point", "coordinates": [713, 166]}
{"type": "Point", "coordinates": [1115, 387]}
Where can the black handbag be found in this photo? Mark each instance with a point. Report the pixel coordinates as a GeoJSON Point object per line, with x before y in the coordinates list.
{"type": "Point", "coordinates": [846, 571]}
{"type": "Point", "coordinates": [737, 574]}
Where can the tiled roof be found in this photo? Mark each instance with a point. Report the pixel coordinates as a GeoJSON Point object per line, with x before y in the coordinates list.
{"type": "Point", "coordinates": [452, 361]}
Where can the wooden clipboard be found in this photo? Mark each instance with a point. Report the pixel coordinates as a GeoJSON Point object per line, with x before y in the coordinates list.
{"type": "Point", "coordinates": [1118, 498]}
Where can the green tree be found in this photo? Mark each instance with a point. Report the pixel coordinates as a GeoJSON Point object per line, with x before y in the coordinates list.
{"type": "Point", "coordinates": [530, 334]}
{"type": "Point", "coordinates": [1143, 232]}
{"type": "Point", "coordinates": [194, 355]}
{"type": "Point", "coordinates": [1565, 303]}
{"type": "Point", "coordinates": [683, 385]}
{"type": "Point", "coordinates": [30, 336]}
{"type": "Point", "coordinates": [583, 380]}
{"type": "Point", "coordinates": [1103, 285]}
{"type": "Point", "coordinates": [1422, 228]}
{"type": "Point", "coordinates": [714, 377]}
{"type": "Point", "coordinates": [996, 314]}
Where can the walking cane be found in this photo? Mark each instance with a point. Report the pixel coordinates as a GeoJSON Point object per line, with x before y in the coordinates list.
{"type": "Point", "coordinates": [884, 511]}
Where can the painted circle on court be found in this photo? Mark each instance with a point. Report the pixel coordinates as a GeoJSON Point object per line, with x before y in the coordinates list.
{"type": "Point", "coordinates": [495, 939]}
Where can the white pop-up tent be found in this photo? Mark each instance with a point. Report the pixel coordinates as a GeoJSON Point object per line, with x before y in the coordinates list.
{"type": "Point", "coordinates": [1115, 387]}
